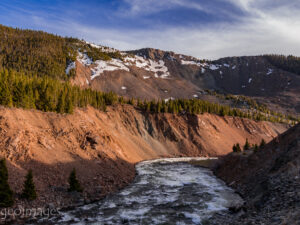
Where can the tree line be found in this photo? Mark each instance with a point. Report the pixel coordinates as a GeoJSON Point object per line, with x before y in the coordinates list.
{"type": "Point", "coordinates": [198, 106]}
{"type": "Point", "coordinates": [44, 54]}
{"type": "Point", "coordinates": [255, 147]}
{"type": "Point", "coordinates": [46, 94]}
{"type": "Point", "coordinates": [288, 63]}
{"type": "Point", "coordinates": [258, 110]}
{"type": "Point", "coordinates": [52, 95]}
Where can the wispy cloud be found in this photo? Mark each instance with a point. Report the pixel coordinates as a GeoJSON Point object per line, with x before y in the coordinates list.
{"type": "Point", "coordinates": [256, 27]}
{"type": "Point", "coordinates": [155, 6]}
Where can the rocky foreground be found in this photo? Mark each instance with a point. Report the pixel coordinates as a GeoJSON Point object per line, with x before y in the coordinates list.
{"type": "Point", "coordinates": [268, 180]}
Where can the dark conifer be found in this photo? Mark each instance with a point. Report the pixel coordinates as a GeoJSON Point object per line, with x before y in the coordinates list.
{"type": "Point", "coordinates": [29, 191]}
{"type": "Point", "coordinates": [234, 148]}
{"type": "Point", "coordinates": [262, 143]}
{"type": "Point", "coordinates": [6, 194]}
{"type": "Point", "coordinates": [256, 148]}
{"type": "Point", "coordinates": [74, 183]}
{"type": "Point", "coordinates": [238, 148]}
{"type": "Point", "coordinates": [69, 104]}
{"type": "Point", "coordinates": [247, 145]}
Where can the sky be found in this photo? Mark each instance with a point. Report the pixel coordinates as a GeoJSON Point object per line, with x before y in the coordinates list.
{"type": "Point", "coordinates": [207, 29]}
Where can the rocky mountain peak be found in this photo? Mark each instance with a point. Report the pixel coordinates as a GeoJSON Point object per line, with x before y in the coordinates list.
{"type": "Point", "coordinates": [151, 53]}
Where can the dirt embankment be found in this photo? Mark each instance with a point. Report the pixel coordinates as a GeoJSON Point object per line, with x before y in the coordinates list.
{"type": "Point", "coordinates": [269, 181]}
{"type": "Point", "coordinates": [104, 146]}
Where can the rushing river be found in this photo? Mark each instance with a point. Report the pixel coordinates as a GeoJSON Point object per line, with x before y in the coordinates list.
{"type": "Point", "coordinates": [165, 191]}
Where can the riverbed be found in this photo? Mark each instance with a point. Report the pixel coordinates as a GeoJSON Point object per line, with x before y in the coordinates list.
{"type": "Point", "coordinates": [165, 191]}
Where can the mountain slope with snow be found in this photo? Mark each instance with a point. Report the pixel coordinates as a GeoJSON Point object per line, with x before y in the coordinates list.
{"type": "Point", "coordinates": [155, 74]}
{"type": "Point", "coordinates": [151, 73]}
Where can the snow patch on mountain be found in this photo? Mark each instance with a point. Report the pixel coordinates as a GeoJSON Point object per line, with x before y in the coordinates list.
{"type": "Point", "coordinates": [111, 65]}
{"type": "Point", "coordinates": [168, 99]}
{"type": "Point", "coordinates": [171, 58]}
{"type": "Point", "coordinates": [98, 67]}
{"type": "Point", "coordinates": [84, 59]}
{"type": "Point", "coordinates": [269, 71]}
{"type": "Point", "coordinates": [191, 62]}
{"type": "Point", "coordinates": [102, 48]}
{"type": "Point", "coordinates": [183, 62]}
{"type": "Point", "coordinates": [71, 66]}
{"type": "Point", "coordinates": [158, 68]}
{"type": "Point", "coordinates": [213, 67]}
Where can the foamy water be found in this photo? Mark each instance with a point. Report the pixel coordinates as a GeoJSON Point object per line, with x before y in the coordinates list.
{"type": "Point", "coordinates": [168, 191]}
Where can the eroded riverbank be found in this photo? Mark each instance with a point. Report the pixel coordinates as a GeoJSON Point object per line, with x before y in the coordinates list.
{"type": "Point", "coordinates": [103, 147]}
{"type": "Point", "coordinates": [164, 191]}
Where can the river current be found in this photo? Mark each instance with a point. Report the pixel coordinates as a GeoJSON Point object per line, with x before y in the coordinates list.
{"type": "Point", "coordinates": [165, 191]}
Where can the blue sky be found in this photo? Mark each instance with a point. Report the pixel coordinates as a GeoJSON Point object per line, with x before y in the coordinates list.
{"type": "Point", "coordinates": [202, 28]}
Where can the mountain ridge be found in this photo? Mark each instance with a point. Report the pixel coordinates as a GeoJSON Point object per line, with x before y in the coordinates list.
{"type": "Point", "coordinates": [152, 73]}
{"type": "Point", "coordinates": [252, 76]}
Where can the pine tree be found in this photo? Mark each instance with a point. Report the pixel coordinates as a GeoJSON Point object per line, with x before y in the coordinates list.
{"type": "Point", "coordinates": [262, 143]}
{"type": "Point", "coordinates": [247, 145]}
{"type": "Point", "coordinates": [222, 112]}
{"type": "Point", "coordinates": [6, 194]}
{"type": "Point", "coordinates": [238, 148]}
{"type": "Point", "coordinates": [256, 148]}
{"type": "Point", "coordinates": [139, 103]}
{"type": "Point", "coordinates": [69, 104]}
{"type": "Point", "coordinates": [234, 148]}
{"type": "Point", "coordinates": [148, 106]}
{"type": "Point", "coordinates": [159, 106]}
{"type": "Point", "coordinates": [29, 191]}
{"type": "Point", "coordinates": [132, 102]}
{"type": "Point", "coordinates": [6, 96]}
{"type": "Point", "coordinates": [60, 108]}
{"type": "Point", "coordinates": [74, 183]}
{"type": "Point", "coordinates": [121, 100]}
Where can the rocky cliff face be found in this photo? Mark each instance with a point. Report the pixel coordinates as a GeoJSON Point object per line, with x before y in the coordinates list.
{"type": "Point", "coordinates": [269, 180]}
{"type": "Point", "coordinates": [104, 146]}
{"type": "Point", "coordinates": [155, 74]}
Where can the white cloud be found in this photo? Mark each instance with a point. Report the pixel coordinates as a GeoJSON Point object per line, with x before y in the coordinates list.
{"type": "Point", "coordinates": [269, 26]}
{"type": "Point", "coordinates": [270, 32]}
{"type": "Point", "coordinates": [253, 38]}
{"type": "Point", "coordinates": [154, 6]}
